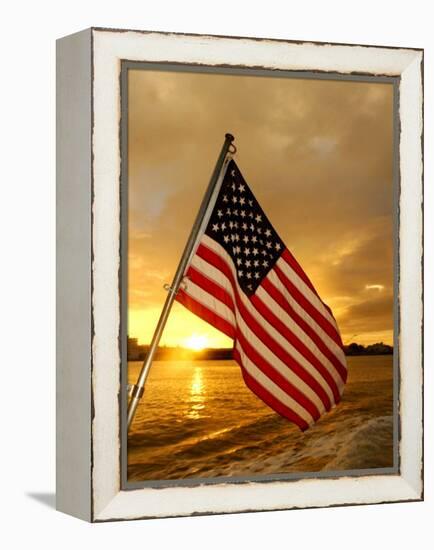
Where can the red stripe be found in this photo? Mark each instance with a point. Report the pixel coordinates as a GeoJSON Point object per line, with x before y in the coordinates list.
{"type": "Point", "coordinates": [292, 262]}
{"type": "Point", "coordinates": [274, 375]}
{"type": "Point", "coordinates": [210, 286]}
{"type": "Point", "coordinates": [278, 297]}
{"type": "Point", "coordinates": [268, 398]}
{"type": "Point", "coordinates": [307, 306]}
{"type": "Point", "coordinates": [206, 314]}
{"type": "Point", "coordinates": [218, 292]}
{"type": "Point", "coordinates": [295, 342]}
{"type": "Point", "coordinates": [219, 263]}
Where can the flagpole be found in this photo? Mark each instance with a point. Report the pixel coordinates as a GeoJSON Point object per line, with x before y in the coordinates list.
{"type": "Point", "coordinates": [138, 389]}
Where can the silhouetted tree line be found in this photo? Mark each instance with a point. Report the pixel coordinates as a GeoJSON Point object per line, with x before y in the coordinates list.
{"type": "Point", "coordinates": [138, 353]}
{"type": "Point", "coordinates": [373, 349]}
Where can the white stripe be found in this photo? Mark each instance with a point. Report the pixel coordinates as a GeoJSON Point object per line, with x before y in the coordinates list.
{"type": "Point", "coordinates": [288, 320]}
{"type": "Point", "coordinates": [300, 334]}
{"type": "Point", "coordinates": [273, 388]}
{"type": "Point", "coordinates": [219, 278]}
{"type": "Point", "coordinates": [305, 290]}
{"type": "Point", "coordinates": [329, 342]}
{"type": "Point", "coordinates": [207, 300]}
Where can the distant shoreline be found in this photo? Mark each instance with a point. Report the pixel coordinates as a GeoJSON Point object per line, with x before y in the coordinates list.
{"type": "Point", "coordinates": [138, 353]}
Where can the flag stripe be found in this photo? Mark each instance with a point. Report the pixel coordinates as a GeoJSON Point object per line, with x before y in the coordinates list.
{"type": "Point", "coordinates": [302, 337]}
{"type": "Point", "coordinates": [222, 288]}
{"type": "Point", "coordinates": [266, 396]}
{"type": "Point", "coordinates": [286, 370]}
{"type": "Point", "coordinates": [292, 293]}
{"type": "Point", "coordinates": [292, 262]}
{"type": "Point", "coordinates": [205, 253]}
{"type": "Point", "coordinates": [274, 375]}
{"type": "Point", "coordinates": [270, 376]}
{"type": "Point", "coordinates": [305, 372]}
{"type": "Point", "coordinates": [290, 305]}
{"type": "Point", "coordinates": [317, 336]}
{"type": "Point", "coordinates": [205, 313]}
{"type": "Point", "coordinates": [294, 341]}
{"type": "Point", "coordinates": [308, 294]}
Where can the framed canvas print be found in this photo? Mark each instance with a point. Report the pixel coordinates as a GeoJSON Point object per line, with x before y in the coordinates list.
{"type": "Point", "coordinates": [239, 267]}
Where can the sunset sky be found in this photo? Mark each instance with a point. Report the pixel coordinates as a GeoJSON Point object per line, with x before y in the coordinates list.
{"type": "Point", "coordinates": [318, 154]}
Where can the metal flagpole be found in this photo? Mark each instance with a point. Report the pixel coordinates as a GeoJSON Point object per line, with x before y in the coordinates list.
{"type": "Point", "coordinates": [138, 389]}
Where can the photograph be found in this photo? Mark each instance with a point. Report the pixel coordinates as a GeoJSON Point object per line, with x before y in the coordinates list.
{"type": "Point", "coordinates": [267, 322]}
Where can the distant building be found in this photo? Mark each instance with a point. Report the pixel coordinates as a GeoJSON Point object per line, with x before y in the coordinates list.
{"type": "Point", "coordinates": [134, 351]}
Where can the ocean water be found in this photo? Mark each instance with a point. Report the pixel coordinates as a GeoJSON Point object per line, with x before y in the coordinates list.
{"type": "Point", "coordinates": [198, 419]}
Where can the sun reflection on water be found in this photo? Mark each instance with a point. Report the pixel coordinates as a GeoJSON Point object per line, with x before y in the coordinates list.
{"type": "Point", "coordinates": [197, 395]}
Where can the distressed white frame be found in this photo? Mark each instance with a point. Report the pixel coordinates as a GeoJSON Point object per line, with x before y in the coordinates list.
{"type": "Point", "coordinates": [107, 500]}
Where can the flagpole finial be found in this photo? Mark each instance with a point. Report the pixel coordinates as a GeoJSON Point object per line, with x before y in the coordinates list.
{"type": "Point", "coordinates": [229, 139]}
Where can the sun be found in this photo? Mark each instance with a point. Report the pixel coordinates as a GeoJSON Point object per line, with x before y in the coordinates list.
{"type": "Point", "coordinates": [196, 342]}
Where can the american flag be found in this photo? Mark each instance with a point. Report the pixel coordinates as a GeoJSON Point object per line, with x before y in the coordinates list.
{"type": "Point", "coordinates": [245, 282]}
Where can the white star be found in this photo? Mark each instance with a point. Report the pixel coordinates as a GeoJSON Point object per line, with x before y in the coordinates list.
{"type": "Point", "coordinates": [238, 250]}
{"type": "Point", "coordinates": [237, 237]}
{"type": "Point", "coordinates": [243, 213]}
{"type": "Point", "coordinates": [246, 239]}
{"type": "Point", "coordinates": [228, 211]}
{"type": "Point", "coordinates": [259, 230]}
{"type": "Point", "coordinates": [250, 214]}
{"type": "Point", "coordinates": [241, 188]}
{"type": "Point", "coordinates": [254, 239]}
{"type": "Point", "coordinates": [267, 233]}
{"type": "Point", "coordinates": [234, 249]}
{"type": "Point", "coordinates": [255, 251]}
{"type": "Point", "coordinates": [233, 173]}
{"type": "Point", "coordinates": [242, 200]}
{"type": "Point", "coordinates": [249, 275]}
{"type": "Point", "coordinates": [256, 275]}
{"type": "Point", "coordinates": [268, 244]}
{"type": "Point", "coordinates": [258, 218]}
{"type": "Point", "coordinates": [223, 226]}
{"type": "Point", "coordinates": [226, 238]}
{"type": "Point", "coordinates": [240, 273]}
{"type": "Point", "coordinates": [252, 227]}
{"type": "Point", "coordinates": [263, 252]}
{"type": "Point", "coordinates": [225, 198]}
{"type": "Point", "coordinates": [247, 251]}
{"type": "Point", "coordinates": [248, 263]}
{"type": "Point", "coordinates": [265, 263]}
{"type": "Point", "coordinates": [250, 287]}
{"type": "Point", "coordinates": [215, 226]}
{"type": "Point", "coordinates": [219, 213]}
{"type": "Point", "coordinates": [239, 261]}
{"type": "Point", "coordinates": [231, 224]}
{"type": "Point", "coordinates": [234, 199]}
{"type": "Point", "coordinates": [233, 186]}
{"type": "Point", "coordinates": [277, 247]}
{"type": "Point", "coordinates": [250, 203]}
{"type": "Point", "coordinates": [256, 263]}
{"type": "Point", "coordinates": [244, 226]}
{"type": "Point", "coordinates": [235, 212]}
{"type": "Point", "coordinates": [232, 237]}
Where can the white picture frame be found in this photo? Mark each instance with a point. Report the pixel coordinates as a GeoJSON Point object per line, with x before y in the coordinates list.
{"type": "Point", "coordinates": [89, 423]}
